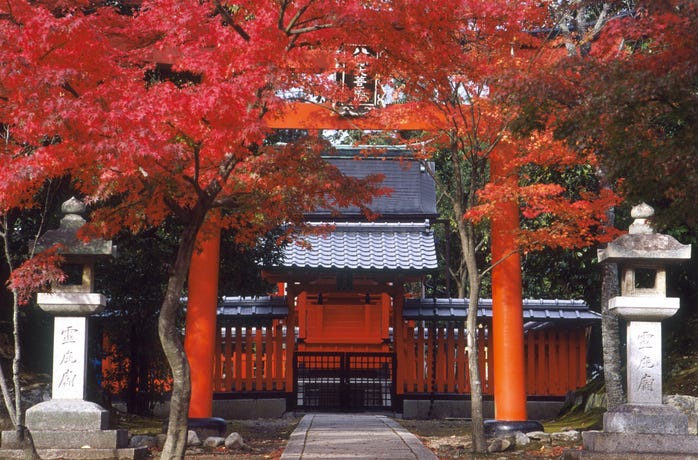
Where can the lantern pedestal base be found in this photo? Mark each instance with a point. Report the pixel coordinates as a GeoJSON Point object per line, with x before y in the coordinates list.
{"type": "Point", "coordinates": [599, 445]}
{"type": "Point", "coordinates": [645, 419]}
{"type": "Point", "coordinates": [71, 429]}
{"type": "Point", "coordinates": [67, 415]}
{"type": "Point", "coordinates": [639, 431]}
{"type": "Point", "coordinates": [127, 453]}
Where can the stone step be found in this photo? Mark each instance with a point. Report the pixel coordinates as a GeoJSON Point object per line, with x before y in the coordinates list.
{"type": "Point", "coordinates": [138, 453]}
{"type": "Point", "coordinates": [640, 443]}
{"type": "Point", "coordinates": [103, 439]}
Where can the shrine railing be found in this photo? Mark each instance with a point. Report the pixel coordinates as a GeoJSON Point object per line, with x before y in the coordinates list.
{"type": "Point", "coordinates": [435, 360]}
{"type": "Point", "coordinates": [252, 358]}
{"type": "Point", "coordinates": [430, 359]}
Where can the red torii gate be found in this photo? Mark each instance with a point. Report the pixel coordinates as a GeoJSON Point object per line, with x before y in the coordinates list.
{"type": "Point", "coordinates": [507, 314]}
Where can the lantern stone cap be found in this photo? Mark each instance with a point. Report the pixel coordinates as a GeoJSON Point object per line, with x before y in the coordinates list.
{"type": "Point", "coordinates": [644, 308]}
{"type": "Point", "coordinates": [71, 303]}
{"type": "Point", "coordinates": [643, 245]}
{"type": "Point", "coordinates": [66, 235]}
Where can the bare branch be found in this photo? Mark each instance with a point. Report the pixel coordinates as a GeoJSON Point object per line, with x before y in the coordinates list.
{"type": "Point", "coordinates": [491, 267]}
{"type": "Point", "coordinates": [296, 17]}
{"type": "Point", "coordinates": [231, 20]}
{"type": "Point", "coordinates": [282, 13]}
{"type": "Point", "coordinates": [305, 30]}
{"type": "Point", "coordinates": [182, 213]}
{"type": "Point", "coordinates": [10, 16]}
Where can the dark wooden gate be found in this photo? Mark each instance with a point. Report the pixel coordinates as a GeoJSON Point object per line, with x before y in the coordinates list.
{"type": "Point", "coordinates": [344, 381]}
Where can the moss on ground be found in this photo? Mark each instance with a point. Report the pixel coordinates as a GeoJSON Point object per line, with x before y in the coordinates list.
{"type": "Point", "coordinates": [578, 420]}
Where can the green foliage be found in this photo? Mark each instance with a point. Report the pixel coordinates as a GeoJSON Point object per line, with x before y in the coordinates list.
{"type": "Point", "coordinates": [134, 283]}
{"type": "Point", "coordinates": [240, 264]}
{"type": "Point", "coordinates": [562, 274]}
{"type": "Point", "coordinates": [680, 337]}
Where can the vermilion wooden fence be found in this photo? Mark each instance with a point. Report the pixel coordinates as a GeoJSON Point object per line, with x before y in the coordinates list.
{"type": "Point", "coordinates": [555, 360]}
{"type": "Point", "coordinates": [435, 359]}
{"type": "Point", "coordinates": [429, 359]}
{"type": "Point", "coordinates": [251, 359]}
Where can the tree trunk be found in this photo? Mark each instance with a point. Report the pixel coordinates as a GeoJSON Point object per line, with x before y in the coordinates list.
{"type": "Point", "coordinates": [478, 424]}
{"type": "Point", "coordinates": [460, 289]}
{"type": "Point", "coordinates": [15, 411]}
{"type": "Point", "coordinates": [466, 233]}
{"type": "Point", "coordinates": [610, 330]}
{"type": "Point", "coordinates": [610, 338]}
{"type": "Point", "coordinates": [173, 346]}
{"type": "Point", "coordinates": [23, 433]}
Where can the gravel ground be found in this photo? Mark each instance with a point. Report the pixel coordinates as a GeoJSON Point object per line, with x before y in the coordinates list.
{"type": "Point", "coordinates": [449, 439]}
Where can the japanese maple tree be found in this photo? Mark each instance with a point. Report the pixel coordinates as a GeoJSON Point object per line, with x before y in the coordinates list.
{"type": "Point", "coordinates": [626, 89]}
{"type": "Point", "coordinates": [158, 108]}
{"type": "Point", "coordinates": [623, 87]}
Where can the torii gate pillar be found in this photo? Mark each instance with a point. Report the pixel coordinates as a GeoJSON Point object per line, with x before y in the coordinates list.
{"type": "Point", "coordinates": [509, 373]}
{"type": "Point", "coordinates": [200, 336]}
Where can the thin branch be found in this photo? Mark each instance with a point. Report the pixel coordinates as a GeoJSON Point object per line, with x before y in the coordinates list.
{"type": "Point", "coordinates": [201, 193]}
{"type": "Point", "coordinates": [67, 86]}
{"type": "Point", "coordinates": [491, 267]}
{"type": "Point", "coordinates": [10, 16]}
{"type": "Point", "coordinates": [305, 30]}
{"type": "Point", "coordinates": [282, 14]}
{"type": "Point", "coordinates": [600, 21]}
{"type": "Point", "coordinates": [3, 383]}
{"type": "Point", "coordinates": [181, 212]}
{"type": "Point", "coordinates": [439, 183]}
{"type": "Point", "coordinates": [296, 17]}
{"type": "Point", "coordinates": [39, 231]}
{"type": "Point", "coordinates": [231, 20]}
{"type": "Point", "coordinates": [197, 163]}
{"type": "Point", "coordinates": [480, 244]}
{"type": "Point", "coordinates": [309, 20]}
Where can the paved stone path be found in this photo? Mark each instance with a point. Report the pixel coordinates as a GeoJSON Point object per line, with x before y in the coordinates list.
{"type": "Point", "coordinates": [353, 436]}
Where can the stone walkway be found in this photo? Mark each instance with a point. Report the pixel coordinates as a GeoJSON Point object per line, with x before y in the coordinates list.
{"type": "Point", "coordinates": [353, 436]}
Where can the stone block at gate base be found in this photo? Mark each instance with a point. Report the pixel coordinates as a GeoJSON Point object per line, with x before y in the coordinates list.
{"type": "Point", "coordinates": [139, 453]}
{"type": "Point", "coordinates": [101, 439]}
{"type": "Point", "coordinates": [249, 408]}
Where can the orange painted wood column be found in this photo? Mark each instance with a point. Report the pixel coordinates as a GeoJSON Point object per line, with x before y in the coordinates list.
{"type": "Point", "coordinates": [200, 337]}
{"type": "Point", "coordinates": [507, 313]}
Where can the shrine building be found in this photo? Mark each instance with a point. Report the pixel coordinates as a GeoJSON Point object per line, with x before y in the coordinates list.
{"type": "Point", "coordinates": [352, 331]}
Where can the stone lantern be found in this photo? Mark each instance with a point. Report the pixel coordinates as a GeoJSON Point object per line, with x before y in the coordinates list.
{"type": "Point", "coordinates": [644, 425]}
{"type": "Point", "coordinates": [642, 257]}
{"type": "Point", "coordinates": [67, 424]}
{"type": "Point", "coordinates": [71, 302]}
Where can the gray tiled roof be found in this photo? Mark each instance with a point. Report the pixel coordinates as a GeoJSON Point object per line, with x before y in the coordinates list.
{"type": "Point", "coordinates": [413, 192]}
{"type": "Point", "coordinates": [537, 313]}
{"type": "Point", "coordinates": [253, 307]}
{"type": "Point", "coordinates": [367, 246]}
{"type": "Point", "coordinates": [534, 310]}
